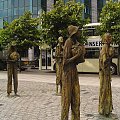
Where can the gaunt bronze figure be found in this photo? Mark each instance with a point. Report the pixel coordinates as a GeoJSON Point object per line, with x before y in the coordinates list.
{"type": "Point", "coordinates": [105, 59]}
{"type": "Point", "coordinates": [70, 82]}
{"type": "Point", "coordinates": [13, 57]}
{"type": "Point", "coordinates": [59, 64]}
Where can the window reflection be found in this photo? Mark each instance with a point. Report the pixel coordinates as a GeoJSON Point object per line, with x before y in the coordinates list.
{"type": "Point", "coordinates": [95, 52]}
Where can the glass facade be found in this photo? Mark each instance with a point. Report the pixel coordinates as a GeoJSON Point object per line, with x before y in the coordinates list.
{"type": "Point", "coordinates": [12, 9]}
{"type": "Point", "coordinates": [100, 4]}
{"type": "Point", "coordinates": [87, 10]}
{"type": "Point", "coordinates": [87, 5]}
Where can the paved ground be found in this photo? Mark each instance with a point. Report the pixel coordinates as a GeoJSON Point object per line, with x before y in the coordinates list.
{"type": "Point", "coordinates": [38, 100]}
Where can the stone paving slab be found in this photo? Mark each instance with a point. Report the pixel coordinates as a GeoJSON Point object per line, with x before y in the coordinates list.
{"type": "Point", "coordinates": [38, 101]}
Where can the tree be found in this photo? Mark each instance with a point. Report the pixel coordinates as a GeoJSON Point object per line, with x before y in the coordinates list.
{"type": "Point", "coordinates": [110, 22]}
{"type": "Point", "coordinates": [55, 22]}
{"type": "Point", "coordinates": [109, 18]}
{"type": "Point", "coordinates": [22, 32]}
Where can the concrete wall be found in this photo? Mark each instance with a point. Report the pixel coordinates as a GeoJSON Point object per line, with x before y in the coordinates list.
{"type": "Point", "coordinates": [94, 11]}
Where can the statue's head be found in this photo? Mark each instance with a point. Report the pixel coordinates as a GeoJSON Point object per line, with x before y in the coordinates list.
{"type": "Point", "coordinates": [72, 30]}
{"type": "Point", "coordinates": [60, 39]}
{"type": "Point", "coordinates": [107, 38]}
{"type": "Point", "coordinates": [12, 48]}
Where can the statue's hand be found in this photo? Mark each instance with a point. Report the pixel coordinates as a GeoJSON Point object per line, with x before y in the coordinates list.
{"type": "Point", "coordinates": [67, 61]}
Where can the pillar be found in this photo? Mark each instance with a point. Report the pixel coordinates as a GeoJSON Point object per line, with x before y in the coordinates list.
{"type": "Point", "coordinates": [31, 54]}
{"type": "Point", "coordinates": [94, 11]}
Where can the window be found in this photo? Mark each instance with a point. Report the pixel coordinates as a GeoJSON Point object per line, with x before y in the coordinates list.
{"type": "Point", "coordinates": [5, 13]}
{"type": "Point", "coordinates": [34, 3]}
{"type": "Point", "coordinates": [87, 10]}
{"type": "Point", "coordinates": [92, 53]}
{"type": "Point", "coordinates": [9, 19]}
{"type": "Point", "coordinates": [78, 0]}
{"type": "Point", "coordinates": [21, 3]}
{"type": "Point", "coordinates": [115, 0]}
{"type": "Point", "coordinates": [15, 11]}
{"type": "Point", "coordinates": [92, 32]}
{"type": "Point", "coordinates": [66, 1]}
{"type": "Point", "coordinates": [115, 52]}
{"type": "Point", "coordinates": [16, 16]}
{"type": "Point", "coordinates": [5, 4]}
{"type": "Point", "coordinates": [21, 11]}
{"type": "Point", "coordinates": [9, 12]}
{"type": "Point", "coordinates": [15, 3]}
{"type": "Point", "coordinates": [27, 8]}
{"type": "Point", "coordinates": [9, 4]}
{"type": "Point", "coordinates": [34, 16]}
{"type": "Point", "coordinates": [27, 2]}
{"type": "Point", "coordinates": [1, 5]}
{"type": "Point", "coordinates": [44, 5]}
{"type": "Point", "coordinates": [39, 2]}
{"type": "Point", "coordinates": [1, 13]}
{"type": "Point", "coordinates": [35, 10]}
{"type": "Point", "coordinates": [1, 23]}
{"type": "Point", "coordinates": [100, 4]}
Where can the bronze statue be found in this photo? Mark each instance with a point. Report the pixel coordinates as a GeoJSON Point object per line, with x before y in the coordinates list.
{"type": "Point", "coordinates": [59, 63]}
{"type": "Point", "coordinates": [105, 59]}
{"type": "Point", "coordinates": [70, 82]}
{"type": "Point", "coordinates": [13, 57]}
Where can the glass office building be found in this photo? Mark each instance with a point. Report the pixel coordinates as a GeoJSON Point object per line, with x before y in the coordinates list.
{"type": "Point", "coordinates": [12, 9]}
{"type": "Point", "coordinates": [100, 4]}
{"type": "Point", "coordinates": [92, 8]}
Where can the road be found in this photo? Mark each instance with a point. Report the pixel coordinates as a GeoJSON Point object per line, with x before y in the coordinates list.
{"type": "Point", "coordinates": [38, 100]}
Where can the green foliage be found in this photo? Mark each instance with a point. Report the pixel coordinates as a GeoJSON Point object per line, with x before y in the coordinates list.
{"type": "Point", "coordinates": [22, 32]}
{"type": "Point", "coordinates": [110, 19]}
{"type": "Point", "coordinates": [55, 22]}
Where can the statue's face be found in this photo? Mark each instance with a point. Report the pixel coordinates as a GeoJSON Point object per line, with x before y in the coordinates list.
{"type": "Point", "coordinates": [78, 34]}
{"type": "Point", "coordinates": [108, 39]}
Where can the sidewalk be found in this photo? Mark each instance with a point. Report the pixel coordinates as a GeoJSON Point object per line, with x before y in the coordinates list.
{"type": "Point", "coordinates": [38, 100]}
